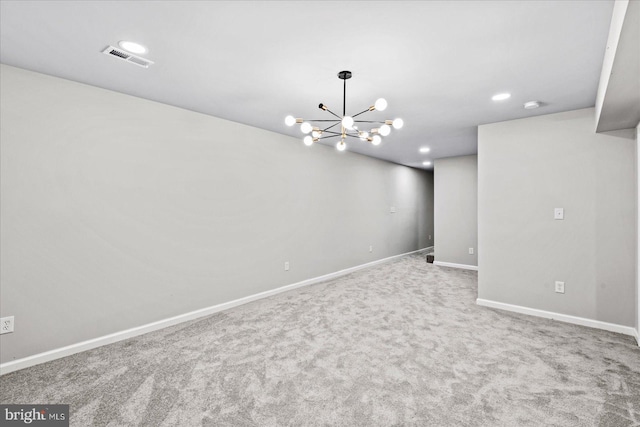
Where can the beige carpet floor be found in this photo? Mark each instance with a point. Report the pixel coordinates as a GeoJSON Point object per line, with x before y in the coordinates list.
{"type": "Point", "coordinates": [400, 344]}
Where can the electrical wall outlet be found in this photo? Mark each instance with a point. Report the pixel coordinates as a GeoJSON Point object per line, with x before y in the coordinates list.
{"type": "Point", "coordinates": [429, 236]}
{"type": "Point", "coordinates": [470, 251]}
{"type": "Point", "coordinates": [286, 266]}
{"type": "Point", "coordinates": [370, 248]}
{"type": "Point", "coordinates": [6, 325]}
{"type": "Point", "coordinates": [558, 213]}
{"type": "Point", "coordinates": [560, 287]}
{"type": "Point", "coordinates": [392, 209]}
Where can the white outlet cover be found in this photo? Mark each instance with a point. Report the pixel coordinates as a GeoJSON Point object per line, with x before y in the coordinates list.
{"type": "Point", "coordinates": [558, 213]}
{"type": "Point", "coordinates": [560, 287]}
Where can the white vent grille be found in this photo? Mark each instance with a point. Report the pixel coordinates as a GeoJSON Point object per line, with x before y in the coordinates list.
{"type": "Point", "coordinates": [126, 56]}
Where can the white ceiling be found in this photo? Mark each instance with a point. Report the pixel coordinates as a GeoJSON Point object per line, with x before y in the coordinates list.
{"type": "Point", "coordinates": [436, 62]}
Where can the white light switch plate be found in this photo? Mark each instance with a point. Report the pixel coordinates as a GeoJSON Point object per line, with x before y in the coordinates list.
{"type": "Point", "coordinates": [558, 213]}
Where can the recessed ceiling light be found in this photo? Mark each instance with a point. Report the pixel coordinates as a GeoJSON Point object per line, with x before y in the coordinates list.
{"type": "Point", "coordinates": [426, 163]}
{"type": "Point", "coordinates": [531, 105]}
{"type": "Point", "coordinates": [425, 149]}
{"type": "Point", "coordinates": [132, 46]}
{"type": "Point", "coordinates": [501, 96]}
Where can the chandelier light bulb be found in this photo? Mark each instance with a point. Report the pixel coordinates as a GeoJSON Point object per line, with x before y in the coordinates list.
{"type": "Point", "coordinates": [289, 120]}
{"type": "Point", "coordinates": [347, 122]}
{"type": "Point", "coordinates": [381, 104]}
{"type": "Point", "coordinates": [306, 127]}
{"type": "Point", "coordinates": [341, 146]}
{"type": "Point", "coordinates": [316, 133]}
{"type": "Point", "coordinates": [363, 135]}
{"type": "Point", "coordinates": [398, 123]}
{"type": "Point", "coordinates": [376, 140]}
{"type": "Point", "coordinates": [384, 130]}
{"type": "Point", "coordinates": [307, 140]}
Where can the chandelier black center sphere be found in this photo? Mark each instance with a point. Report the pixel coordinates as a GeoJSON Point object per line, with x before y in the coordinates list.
{"type": "Point", "coordinates": [349, 125]}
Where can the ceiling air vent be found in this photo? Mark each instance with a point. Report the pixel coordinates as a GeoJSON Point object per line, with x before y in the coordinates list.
{"type": "Point", "coordinates": [126, 56]}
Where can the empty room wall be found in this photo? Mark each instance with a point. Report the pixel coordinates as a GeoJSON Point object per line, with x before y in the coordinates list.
{"type": "Point", "coordinates": [118, 211]}
{"type": "Point", "coordinates": [528, 167]}
{"type": "Point", "coordinates": [426, 227]}
{"type": "Point", "coordinates": [455, 211]}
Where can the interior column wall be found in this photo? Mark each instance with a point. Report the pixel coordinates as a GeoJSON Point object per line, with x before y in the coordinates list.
{"type": "Point", "coordinates": [455, 210]}
{"type": "Point", "coordinates": [526, 169]}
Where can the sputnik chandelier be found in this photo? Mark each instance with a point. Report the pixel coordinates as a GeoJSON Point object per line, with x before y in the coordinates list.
{"type": "Point", "coordinates": [349, 126]}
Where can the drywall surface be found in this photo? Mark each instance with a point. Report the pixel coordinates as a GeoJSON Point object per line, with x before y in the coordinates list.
{"type": "Point", "coordinates": [455, 211]}
{"type": "Point", "coordinates": [118, 211]}
{"type": "Point", "coordinates": [425, 233]}
{"type": "Point", "coordinates": [638, 233]}
{"type": "Point", "coordinates": [615, 29]}
{"type": "Point", "coordinates": [526, 169]}
{"type": "Point", "coordinates": [618, 98]}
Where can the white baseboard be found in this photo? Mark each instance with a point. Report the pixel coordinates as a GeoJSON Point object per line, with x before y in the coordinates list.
{"type": "Point", "coordinates": [454, 265]}
{"type": "Point", "coordinates": [428, 248]}
{"type": "Point", "coordinates": [612, 327]}
{"type": "Point", "coordinates": [58, 353]}
{"type": "Point", "coordinates": [637, 336]}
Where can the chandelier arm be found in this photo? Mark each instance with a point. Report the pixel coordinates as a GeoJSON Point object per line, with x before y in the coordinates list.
{"type": "Point", "coordinates": [340, 118]}
{"type": "Point", "coordinates": [361, 112]}
{"type": "Point", "coordinates": [352, 135]}
{"type": "Point", "coordinates": [368, 121]}
{"type": "Point", "coordinates": [333, 133]}
{"type": "Point", "coordinates": [324, 120]}
{"type": "Point", "coordinates": [326, 129]}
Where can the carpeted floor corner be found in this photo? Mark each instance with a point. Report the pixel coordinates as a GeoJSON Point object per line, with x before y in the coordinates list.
{"type": "Point", "coordinates": [400, 344]}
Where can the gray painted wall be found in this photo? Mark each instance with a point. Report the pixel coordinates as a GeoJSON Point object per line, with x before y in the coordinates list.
{"type": "Point", "coordinates": [455, 210]}
{"type": "Point", "coordinates": [118, 211]}
{"type": "Point", "coordinates": [426, 230]}
{"type": "Point", "coordinates": [638, 233]}
{"type": "Point", "coordinates": [528, 167]}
